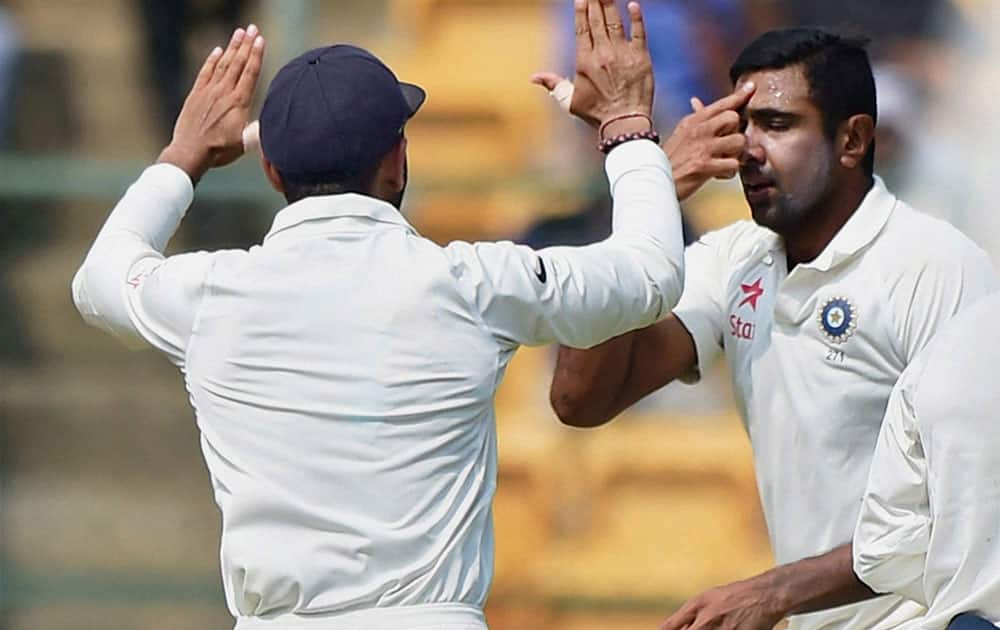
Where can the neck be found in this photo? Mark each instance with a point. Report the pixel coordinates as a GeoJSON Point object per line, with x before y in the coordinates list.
{"type": "Point", "coordinates": [805, 242]}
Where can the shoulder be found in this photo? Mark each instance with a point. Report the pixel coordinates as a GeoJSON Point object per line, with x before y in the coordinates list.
{"type": "Point", "coordinates": [736, 244]}
{"type": "Point", "coordinates": [916, 247]}
{"type": "Point", "coordinates": [916, 238]}
{"type": "Point", "coordinates": [955, 367]}
{"type": "Point", "coordinates": [486, 253]}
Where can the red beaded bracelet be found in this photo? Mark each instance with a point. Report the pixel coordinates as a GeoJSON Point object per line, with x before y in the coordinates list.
{"type": "Point", "coordinates": [605, 146]}
{"type": "Point", "coordinates": [606, 123]}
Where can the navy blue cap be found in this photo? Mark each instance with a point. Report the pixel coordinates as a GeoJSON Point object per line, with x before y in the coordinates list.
{"type": "Point", "coordinates": [334, 110]}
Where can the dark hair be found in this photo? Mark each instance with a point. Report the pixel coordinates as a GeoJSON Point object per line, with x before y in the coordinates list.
{"type": "Point", "coordinates": [330, 184]}
{"type": "Point", "coordinates": [841, 83]}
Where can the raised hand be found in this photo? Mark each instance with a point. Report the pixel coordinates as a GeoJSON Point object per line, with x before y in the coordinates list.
{"type": "Point", "coordinates": [614, 74]}
{"type": "Point", "coordinates": [708, 143]}
{"type": "Point", "coordinates": [209, 129]}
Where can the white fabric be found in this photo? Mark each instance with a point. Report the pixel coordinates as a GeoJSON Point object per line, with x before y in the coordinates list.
{"type": "Point", "coordinates": [428, 617]}
{"type": "Point", "coordinates": [930, 518]}
{"type": "Point", "coordinates": [343, 374]}
{"type": "Point", "coordinates": [813, 407]}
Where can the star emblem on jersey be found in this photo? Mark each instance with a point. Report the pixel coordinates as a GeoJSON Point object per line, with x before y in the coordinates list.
{"type": "Point", "coordinates": [838, 319]}
{"type": "Point", "coordinates": [751, 293]}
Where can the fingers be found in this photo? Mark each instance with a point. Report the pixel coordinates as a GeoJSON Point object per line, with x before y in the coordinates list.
{"type": "Point", "coordinates": [680, 619]}
{"type": "Point", "coordinates": [735, 101]}
{"type": "Point", "coordinates": [613, 22]}
{"type": "Point", "coordinates": [696, 104]}
{"type": "Point", "coordinates": [208, 68]}
{"type": "Point", "coordinates": [242, 57]}
{"type": "Point", "coordinates": [247, 82]}
{"type": "Point", "coordinates": [723, 123]}
{"type": "Point", "coordinates": [730, 146]}
{"type": "Point", "coordinates": [560, 88]}
{"type": "Point", "coordinates": [598, 28]}
{"type": "Point", "coordinates": [726, 168]}
{"type": "Point", "coordinates": [548, 80]}
{"type": "Point", "coordinates": [227, 57]}
{"type": "Point", "coordinates": [584, 41]}
{"type": "Point", "coordinates": [638, 27]}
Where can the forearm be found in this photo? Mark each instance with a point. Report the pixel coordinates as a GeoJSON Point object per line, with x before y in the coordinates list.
{"type": "Point", "coordinates": [646, 215]}
{"type": "Point", "coordinates": [586, 383]}
{"type": "Point", "coordinates": [818, 583]}
{"type": "Point", "coordinates": [139, 227]}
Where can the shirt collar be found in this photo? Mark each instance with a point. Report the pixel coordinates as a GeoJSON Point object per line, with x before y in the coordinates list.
{"type": "Point", "coordinates": [335, 207]}
{"type": "Point", "coordinates": [860, 230]}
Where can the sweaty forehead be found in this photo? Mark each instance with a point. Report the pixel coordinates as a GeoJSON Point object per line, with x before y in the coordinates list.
{"type": "Point", "coordinates": [786, 89]}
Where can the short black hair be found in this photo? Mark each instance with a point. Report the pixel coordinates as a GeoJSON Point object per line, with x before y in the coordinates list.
{"type": "Point", "coordinates": [331, 184]}
{"type": "Point", "coordinates": [841, 82]}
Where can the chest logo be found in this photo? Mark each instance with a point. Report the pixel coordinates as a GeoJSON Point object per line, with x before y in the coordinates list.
{"type": "Point", "coordinates": [751, 293]}
{"type": "Point", "coordinates": [838, 319]}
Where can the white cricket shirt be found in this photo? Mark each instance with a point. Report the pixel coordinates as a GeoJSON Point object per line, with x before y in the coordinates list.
{"type": "Point", "coordinates": [343, 375]}
{"type": "Point", "coordinates": [930, 520]}
{"type": "Point", "coordinates": [814, 355]}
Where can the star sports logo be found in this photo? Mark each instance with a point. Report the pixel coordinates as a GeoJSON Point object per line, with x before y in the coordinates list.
{"type": "Point", "coordinates": [751, 293]}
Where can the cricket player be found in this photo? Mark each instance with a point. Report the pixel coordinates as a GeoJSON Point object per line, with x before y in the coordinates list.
{"type": "Point", "coordinates": [930, 518]}
{"type": "Point", "coordinates": [343, 372]}
{"type": "Point", "coordinates": [818, 306]}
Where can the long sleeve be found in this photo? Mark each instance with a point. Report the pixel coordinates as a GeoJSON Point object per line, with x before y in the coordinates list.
{"type": "Point", "coordinates": [581, 296]}
{"type": "Point", "coordinates": [125, 284]}
{"type": "Point", "coordinates": [893, 532]}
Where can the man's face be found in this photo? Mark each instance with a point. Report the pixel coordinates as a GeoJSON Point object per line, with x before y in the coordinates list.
{"type": "Point", "coordinates": [787, 167]}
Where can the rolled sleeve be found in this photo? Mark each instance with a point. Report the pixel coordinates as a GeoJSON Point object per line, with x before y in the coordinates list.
{"type": "Point", "coordinates": [893, 530]}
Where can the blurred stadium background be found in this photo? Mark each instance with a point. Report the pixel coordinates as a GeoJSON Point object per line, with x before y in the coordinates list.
{"type": "Point", "coordinates": [106, 516]}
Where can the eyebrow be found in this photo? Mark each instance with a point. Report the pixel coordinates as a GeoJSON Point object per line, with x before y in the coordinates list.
{"type": "Point", "coordinates": [769, 113]}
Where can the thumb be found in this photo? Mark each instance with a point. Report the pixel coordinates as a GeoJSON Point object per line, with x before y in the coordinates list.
{"type": "Point", "coordinates": [548, 80]}
{"type": "Point", "coordinates": [560, 88]}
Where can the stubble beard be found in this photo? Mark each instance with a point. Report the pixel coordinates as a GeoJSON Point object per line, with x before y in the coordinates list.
{"type": "Point", "coordinates": [790, 211]}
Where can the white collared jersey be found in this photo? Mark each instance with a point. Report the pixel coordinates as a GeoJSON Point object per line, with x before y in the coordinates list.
{"type": "Point", "coordinates": [930, 517]}
{"type": "Point", "coordinates": [814, 355]}
{"type": "Point", "coordinates": [343, 375]}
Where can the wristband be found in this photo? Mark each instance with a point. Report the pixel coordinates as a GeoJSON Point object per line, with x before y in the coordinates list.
{"type": "Point", "coordinates": [605, 146]}
{"type": "Point", "coordinates": [604, 125]}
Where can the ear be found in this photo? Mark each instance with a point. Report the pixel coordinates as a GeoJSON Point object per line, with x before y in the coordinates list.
{"type": "Point", "coordinates": [856, 136]}
{"type": "Point", "coordinates": [272, 174]}
{"type": "Point", "coordinates": [392, 171]}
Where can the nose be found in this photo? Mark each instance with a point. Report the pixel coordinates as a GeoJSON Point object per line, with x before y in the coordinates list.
{"type": "Point", "coordinates": [753, 152]}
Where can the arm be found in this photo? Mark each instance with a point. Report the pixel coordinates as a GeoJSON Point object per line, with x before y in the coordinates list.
{"type": "Point", "coordinates": [762, 601]}
{"type": "Point", "coordinates": [894, 526]}
{"type": "Point", "coordinates": [583, 296]}
{"type": "Point", "coordinates": [590, 387]}
{"type": "Point", "coordinates": [125, 284]}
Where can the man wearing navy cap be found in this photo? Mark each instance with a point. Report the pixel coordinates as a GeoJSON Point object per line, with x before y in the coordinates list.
{"type": "Point", "coordinates": [343, 372]}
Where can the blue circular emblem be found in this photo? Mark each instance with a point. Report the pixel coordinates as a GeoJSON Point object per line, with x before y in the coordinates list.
{"type": "Point", "coordinates": [838, 319]}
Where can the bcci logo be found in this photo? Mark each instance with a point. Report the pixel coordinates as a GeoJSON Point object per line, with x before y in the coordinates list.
{"type": "Point", "coordinates": [838, 319]}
